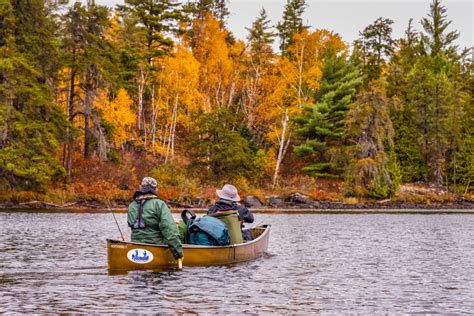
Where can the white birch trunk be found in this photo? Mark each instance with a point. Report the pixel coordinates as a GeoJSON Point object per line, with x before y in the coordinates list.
{"type": "Point", "coordinates": [165, 142]}
{"type": "Point", "coordinates": [232, 88]}
{"type": "Point", "coordinates": [168, 142]}
{"type": "Point", "coordinates": [141, 88]}
{"type": "Point", "coordinates": [283, 146]}
{"type": "Point", "coordinates": [175, 115]}
{"type": "Point", "coordinates": [172, 129]}
{"type": "Point", "coordinates": [300, 76]}
{"type": "Point", "coordinates": [153, 120]}
{"type": "Point", "coordinates": [218, 91]}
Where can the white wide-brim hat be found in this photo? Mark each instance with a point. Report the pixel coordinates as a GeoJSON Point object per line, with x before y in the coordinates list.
{"type": "Point", "coordinates": [228, 192]}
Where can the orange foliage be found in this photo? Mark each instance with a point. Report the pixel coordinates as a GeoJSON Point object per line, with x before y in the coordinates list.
{"type": "Point", "coordinates": [168, 193]}
{"type": "Point", "coordinates": [20, 197]}
{"type": "Point", "coordinates": [320, 195]}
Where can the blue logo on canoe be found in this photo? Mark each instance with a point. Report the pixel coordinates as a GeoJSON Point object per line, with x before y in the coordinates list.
{"type": "Point", "coordinates": [136, 256]}
{"type": "Point", "coordinates": [140, 255]}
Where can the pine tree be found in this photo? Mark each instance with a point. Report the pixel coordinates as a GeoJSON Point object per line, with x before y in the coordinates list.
{"type": "Point", "coordinates": [439, 94]}
{"type": "Point", "coordinates": [291, 23]}
{"type": "Point", "coordinates": [88, 58]}
{"type": "Point", "coordinates": [375, 46]}
{"type": "Point", "coordinates": [98, 68]}
{"type": "Point", "coordinates": [260, 38]}
{"type": "Point", "coordinates": [217, 8]}
{"type": "Point", "coordinates": [436, 40]}
{"type": "Point", "coordinates": [463, 166]}
{"type": "Point", "coordinates": [407, 147]}
{"type": "Point", "coordinates": [322, 125]}
{"type": "Point", "coordinates": [220, 146]}
{"type": "Point", "coordinates": [153, 23]}
{"type": "Point", "coordinates": [457, 124]}
{"type": "Point", "coordinates": [31, 125]}
{"type": "Point", "coordinates": [157, 19]}
{"type": "Point", "coordinates": [430, 96]}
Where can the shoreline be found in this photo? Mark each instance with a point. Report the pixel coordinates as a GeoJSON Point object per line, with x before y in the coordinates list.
{"type": "Point", "coordinates": [318, 207]}
{"type": "Point", "coordinates": [267, 211]}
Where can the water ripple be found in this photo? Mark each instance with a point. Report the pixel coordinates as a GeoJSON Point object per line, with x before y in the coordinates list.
{"type": "Point", "coordinates": [415, 264]}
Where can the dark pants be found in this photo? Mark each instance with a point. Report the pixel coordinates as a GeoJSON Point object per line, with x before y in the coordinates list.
{"type": "Point", "coordinates": [247, 234]}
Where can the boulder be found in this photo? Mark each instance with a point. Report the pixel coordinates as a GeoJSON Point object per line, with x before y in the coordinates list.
{"type": "Point", "coordinates": [300, 199]}
{"type": "Point", "coordinates": [251, 201]}
{"type": "Point", "coordinates": [274, 200]}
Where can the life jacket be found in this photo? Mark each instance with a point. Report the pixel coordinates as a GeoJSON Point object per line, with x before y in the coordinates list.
{"type": "Point", "coordinates": [206, 230]}
{"type": "Point", "coordinates": [140, 221]}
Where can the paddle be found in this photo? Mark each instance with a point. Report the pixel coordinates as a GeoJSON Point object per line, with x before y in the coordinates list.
{"type": "Point", "coordinates": [118, 226]}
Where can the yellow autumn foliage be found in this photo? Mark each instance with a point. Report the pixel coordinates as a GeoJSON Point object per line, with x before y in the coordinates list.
{"type": "Point", "coordinates": [216, 71]}
{"type": "Point", "coordinates": [179, 80]}
{"type": "Point", "coordinates": [119, 113]}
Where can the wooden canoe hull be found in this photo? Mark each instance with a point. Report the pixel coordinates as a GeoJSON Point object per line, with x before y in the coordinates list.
{"type": "Point", "coordinates": [125, 256]}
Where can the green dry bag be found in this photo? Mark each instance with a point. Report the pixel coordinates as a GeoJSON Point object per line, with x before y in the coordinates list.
{"type": "Point", "coordinates": [231, 219]}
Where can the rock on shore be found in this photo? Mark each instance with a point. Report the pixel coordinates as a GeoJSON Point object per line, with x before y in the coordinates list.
{"type": "Point", "coordinates": [251, 201]}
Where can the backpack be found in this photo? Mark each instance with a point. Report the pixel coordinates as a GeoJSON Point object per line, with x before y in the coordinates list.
{"type": "Point", "coordinates": [205, 231]}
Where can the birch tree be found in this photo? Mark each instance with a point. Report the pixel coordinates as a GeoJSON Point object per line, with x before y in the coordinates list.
{"type": "Point", "coordinates": [178, 97]}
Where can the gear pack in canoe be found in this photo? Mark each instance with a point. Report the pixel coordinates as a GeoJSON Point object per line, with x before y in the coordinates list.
{"type": "Point", "coordinates": [205, 230]}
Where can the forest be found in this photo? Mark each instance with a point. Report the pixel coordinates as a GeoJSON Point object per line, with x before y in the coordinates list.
{"type": "Point", "coordinates": [94, 98]}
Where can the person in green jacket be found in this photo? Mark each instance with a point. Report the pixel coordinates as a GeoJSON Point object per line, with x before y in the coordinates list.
{"type": "Point", "coordinates": [150, 219]}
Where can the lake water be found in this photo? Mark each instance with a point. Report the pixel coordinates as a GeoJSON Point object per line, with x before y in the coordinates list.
{"type": "Point", "coordinates": [348, 263]}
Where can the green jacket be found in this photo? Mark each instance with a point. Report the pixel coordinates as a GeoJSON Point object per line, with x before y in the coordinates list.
{"type": "Point", "coordinates": [156, 214]}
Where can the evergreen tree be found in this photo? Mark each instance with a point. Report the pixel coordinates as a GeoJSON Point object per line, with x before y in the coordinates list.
{"type": "Point", "coordinates": [260, 37]}
{"type": "Point", "coordinates": [99, 70]}
{"type": "Point", "coordinates": [31, 125]}
{"type": "Point", "coordinates": [152, 24]}
{"type": "Point", "coordinates": [407, 147]}
{"type": "Point", "coordinates": [73, 26]}
{"type": "Point", "coordinates": [322, 125]}
{"type": "Point", "coordinates": [291, 23]}
{"type": "Point", "coordinates": [457, 125]}
{"type": "Point", "coordinates": [464, 171]}
{"type": "Point", "coordinates": [199, 9]}
{"type": "Point", "coordinates": [430, 96]}
{"type": "Point", "coordinates": [438, 95]}
{"type": "Point", "coordinates": [156, 18]}
{"type": "Point", "coordinates": [374, 172]}
{"type": "Point", "coordinates": [223, 147]}
{"type": "Point", "coordinates": [88, 56]}
{"type": "Point", "coordinates": [375, 46]}
{"type": "Point", "coordinates": [436, 40]}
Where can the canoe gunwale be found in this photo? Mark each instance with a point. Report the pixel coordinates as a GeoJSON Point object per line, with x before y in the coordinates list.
{"type": "Point", "coordinates": [190, 246]}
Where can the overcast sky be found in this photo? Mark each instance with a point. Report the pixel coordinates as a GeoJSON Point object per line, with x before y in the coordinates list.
{"type": "Point", "coordinates": [348, 17]}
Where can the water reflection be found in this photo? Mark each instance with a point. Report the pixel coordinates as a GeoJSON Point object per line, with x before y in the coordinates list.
{"type": "Point", "coordinates": [56, 262]}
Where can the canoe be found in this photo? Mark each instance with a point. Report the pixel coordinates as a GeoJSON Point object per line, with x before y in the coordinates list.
{"type": "Point", "coordinates": [126, 256]}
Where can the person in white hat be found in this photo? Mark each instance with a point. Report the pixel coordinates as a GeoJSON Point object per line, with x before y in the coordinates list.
{"type": "Point", "coordinates": [228, 201]}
